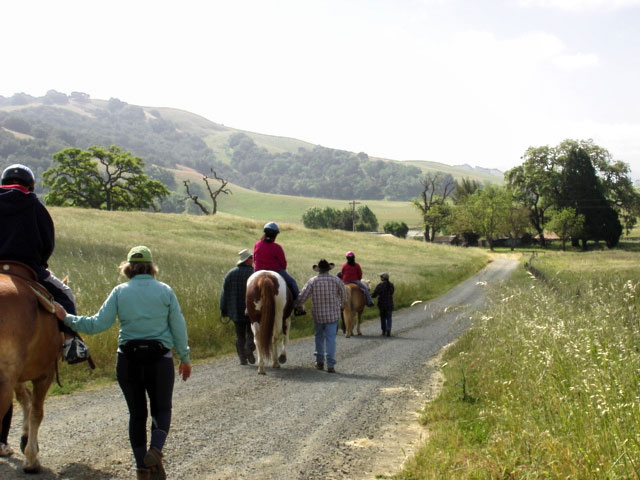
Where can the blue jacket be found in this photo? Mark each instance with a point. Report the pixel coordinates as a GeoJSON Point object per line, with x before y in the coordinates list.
{"type": "Point", "coordinates": [147, 310]}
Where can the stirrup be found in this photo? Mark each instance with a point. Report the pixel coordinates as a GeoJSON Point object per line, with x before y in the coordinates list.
{"type": "Point", "coordinates": [75, 351]}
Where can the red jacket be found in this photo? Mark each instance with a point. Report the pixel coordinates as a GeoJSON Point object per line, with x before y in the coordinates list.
{"type": "Point", "coordinates": [268, 256]}
{"type": "Point", "coordinates": [351, 273]}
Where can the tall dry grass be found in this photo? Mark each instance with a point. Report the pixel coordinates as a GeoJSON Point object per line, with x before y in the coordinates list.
{"type": "Point", "coordinates": [545, 385]}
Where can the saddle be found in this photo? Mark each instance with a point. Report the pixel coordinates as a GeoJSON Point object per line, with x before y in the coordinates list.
{"type": "Point", "coordinates": [29, 276]}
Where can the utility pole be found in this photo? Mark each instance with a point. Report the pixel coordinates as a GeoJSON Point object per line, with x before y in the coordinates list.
{"type": "Point", "coordinates": [353, 204]}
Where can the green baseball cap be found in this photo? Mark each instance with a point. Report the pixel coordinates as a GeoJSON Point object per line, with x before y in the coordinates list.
{"type": "Point", "coordinates": [139, 254]}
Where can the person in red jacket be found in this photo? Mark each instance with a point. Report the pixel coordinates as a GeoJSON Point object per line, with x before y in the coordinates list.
{"type": "Point", "coordinates": [352, 273]}
{"type": "Point", "coordinates": [268, 255]}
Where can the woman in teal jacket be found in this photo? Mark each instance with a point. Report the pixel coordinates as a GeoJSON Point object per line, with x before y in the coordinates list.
{"type": "Point", "coordinates": [151, 324]}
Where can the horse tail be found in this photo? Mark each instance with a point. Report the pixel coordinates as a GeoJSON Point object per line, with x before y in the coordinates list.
{"type": "Point", "coordinates": [267, 314]}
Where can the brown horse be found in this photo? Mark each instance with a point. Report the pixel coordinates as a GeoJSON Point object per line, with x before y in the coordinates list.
{"type": "Point", "coordinates": [269, 306]}
{"type": "Point", "coordinates": [356, 302]}
{"type": "Point", "coordinates": [30, 346]}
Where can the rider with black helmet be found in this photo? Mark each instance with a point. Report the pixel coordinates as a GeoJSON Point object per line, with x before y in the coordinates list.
{"type": "Point", "coordinates": [268, 255]}
{"type": "Point", "coordinates": [28, 236]}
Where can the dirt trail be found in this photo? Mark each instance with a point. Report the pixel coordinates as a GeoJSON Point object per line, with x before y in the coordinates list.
{"type": "Point", "coordinates": [293, 423]}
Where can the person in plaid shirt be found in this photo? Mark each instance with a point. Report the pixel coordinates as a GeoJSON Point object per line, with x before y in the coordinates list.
{"type": "Point", "coordinates": [329, 297]}
{"type": "Point", "coordinates": [384, 292]}
{"type": "Point", "coordinates": [232, 304]}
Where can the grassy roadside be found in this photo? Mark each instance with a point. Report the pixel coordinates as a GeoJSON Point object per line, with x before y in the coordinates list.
{"type": "Point", "coordinates": [545, 385]}
{"type": "Point", "coordinates": [193, 254]}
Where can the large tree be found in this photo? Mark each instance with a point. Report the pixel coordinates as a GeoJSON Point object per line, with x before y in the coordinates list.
{"type": "Point", "coordinates": [580, 189]}
{"type": "Point", "coordinates": [431, 203]}
{"type": "Point", "coordinates": [107, 179]}
{"type": "Point", "coordinates": [580, 175]}
{"type": "Point", "coordinates": [486, 212]}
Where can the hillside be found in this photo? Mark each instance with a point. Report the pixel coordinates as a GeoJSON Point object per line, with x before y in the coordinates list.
{"type": "Point", "coordinates": [264, 207]}
{"type": "Point", "coordinates": [32, 129]}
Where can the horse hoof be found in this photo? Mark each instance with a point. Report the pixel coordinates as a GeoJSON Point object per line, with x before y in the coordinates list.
{"type": "Point", "coordinates": [262, 372]}
{"type": "Point", "coordinates": [282, 359]}
{"type": "Point", "coordinates": [33, 469]}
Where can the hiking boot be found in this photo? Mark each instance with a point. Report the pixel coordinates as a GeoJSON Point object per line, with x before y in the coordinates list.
{"type": "Point", "coordinates": [299, 311]}
{"type": "Point", "coordinates": [318, 365]}
{"type": "Point", "coordinates": [388, 333]}
{"type": "Point", "coordinates": [153, 460]}
{"type": "Point", "coordinates": [143, 474]}
{"type": "Point", "coordinates": [243, 361]}
{"type": "Point", "coordinates": [5, 450]}
{"type": "Point", "coordinates": [331, 370]}
{"type": "Point", "coordinates": [75, 350]}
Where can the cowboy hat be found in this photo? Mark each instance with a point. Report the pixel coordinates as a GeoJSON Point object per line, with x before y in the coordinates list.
{"type": "Point", "coordinates": [323, 266]}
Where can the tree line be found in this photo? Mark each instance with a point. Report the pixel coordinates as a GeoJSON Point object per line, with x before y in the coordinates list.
{"type": "Point", "coordinates": [575, 190]}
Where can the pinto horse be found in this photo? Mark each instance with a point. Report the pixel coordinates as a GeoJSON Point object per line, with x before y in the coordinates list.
{"type": "Point", "coordinates": [269, 306]}
{"type": "Point", "coordinates": [30, 346]}
{"type": "Point", "coordinates": [356, 302]}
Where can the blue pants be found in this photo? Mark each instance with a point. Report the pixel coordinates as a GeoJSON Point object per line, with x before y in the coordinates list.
{"type": "Point", "coordinates": [385, 319]}
{"type": "Point", "coordinates": [291, 283]}
{"type": "Point", "coordinates": [325, 335]}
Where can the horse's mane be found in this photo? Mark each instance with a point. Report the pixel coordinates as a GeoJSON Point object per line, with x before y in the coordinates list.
{"type": "Point", "coordinates": [267, 312]}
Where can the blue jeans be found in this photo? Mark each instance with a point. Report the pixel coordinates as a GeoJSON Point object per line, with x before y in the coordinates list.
{"type": "Point", "coordinates": [291, 283]}
{"type": "Point", "coordinates": [385, 319]}
{"type": "Point", "coordinates": [325, 334]}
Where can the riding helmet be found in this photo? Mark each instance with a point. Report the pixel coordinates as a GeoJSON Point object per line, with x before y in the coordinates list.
{"type": "Point", "coordinates": [349, 254]}
{"type": "Point", "coordinates": [272, 227]}
{"type": "Point", "coordinates": [20, 175]}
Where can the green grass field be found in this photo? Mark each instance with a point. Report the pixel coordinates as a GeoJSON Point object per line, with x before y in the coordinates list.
{"type": "Point", "coordinates": [545, 385]}
{"type": "Point", "coordinates": [285, 208]}
{"type": "Point", "coordinates": [194, 252]}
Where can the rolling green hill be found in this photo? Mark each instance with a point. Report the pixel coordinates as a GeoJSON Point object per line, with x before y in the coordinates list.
{"type": "Point", "coordinates": [32, 129]}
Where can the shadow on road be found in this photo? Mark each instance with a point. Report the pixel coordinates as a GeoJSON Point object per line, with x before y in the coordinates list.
{"type": "Point", "coordinates": [12, 468]}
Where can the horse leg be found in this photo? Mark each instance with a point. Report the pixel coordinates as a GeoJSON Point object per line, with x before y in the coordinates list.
{"type": "Point", "coordinates": [24, 397]}
{"type": "Point", "coordinates": [359, 322]}
{"type": "Point", "coordinates": [274, 347]}
{"type": "Point", "coordinates": [6, 398]}
{"type": "Point", "coordinates": [36, 414]}
{"type": "Point", "coordinates": [348, 321]}
{"type": "Point", "coordinates": [255, 328]}
{"type": "Point", "coordinates": [285, 340]}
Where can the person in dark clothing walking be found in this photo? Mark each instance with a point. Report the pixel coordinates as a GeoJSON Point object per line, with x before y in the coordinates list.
{"type": "Point", "coordinates": [233, 305]}
{"type": "Point", "coordinates": [384, 293]}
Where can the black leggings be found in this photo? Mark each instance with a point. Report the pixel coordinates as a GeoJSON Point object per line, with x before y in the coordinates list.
{"type": "Point", "coordinates": [156, 379]}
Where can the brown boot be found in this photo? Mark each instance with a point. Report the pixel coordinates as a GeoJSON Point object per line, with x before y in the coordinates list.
{"type": "Point", "coordinates": [143, 474]}
{"type": "Point", "coordinates": [153, 460]}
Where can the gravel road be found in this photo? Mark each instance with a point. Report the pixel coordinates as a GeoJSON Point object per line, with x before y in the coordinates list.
{"type": "Point", "coordinates": [294, 423]}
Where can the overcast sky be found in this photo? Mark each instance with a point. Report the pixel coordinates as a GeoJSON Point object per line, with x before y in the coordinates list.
{"type": "Point", "coordinates": [452, 81]}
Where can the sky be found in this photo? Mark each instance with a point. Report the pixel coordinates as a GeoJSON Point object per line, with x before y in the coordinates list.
{"type": "Point", "coordinates": [453, 81]}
